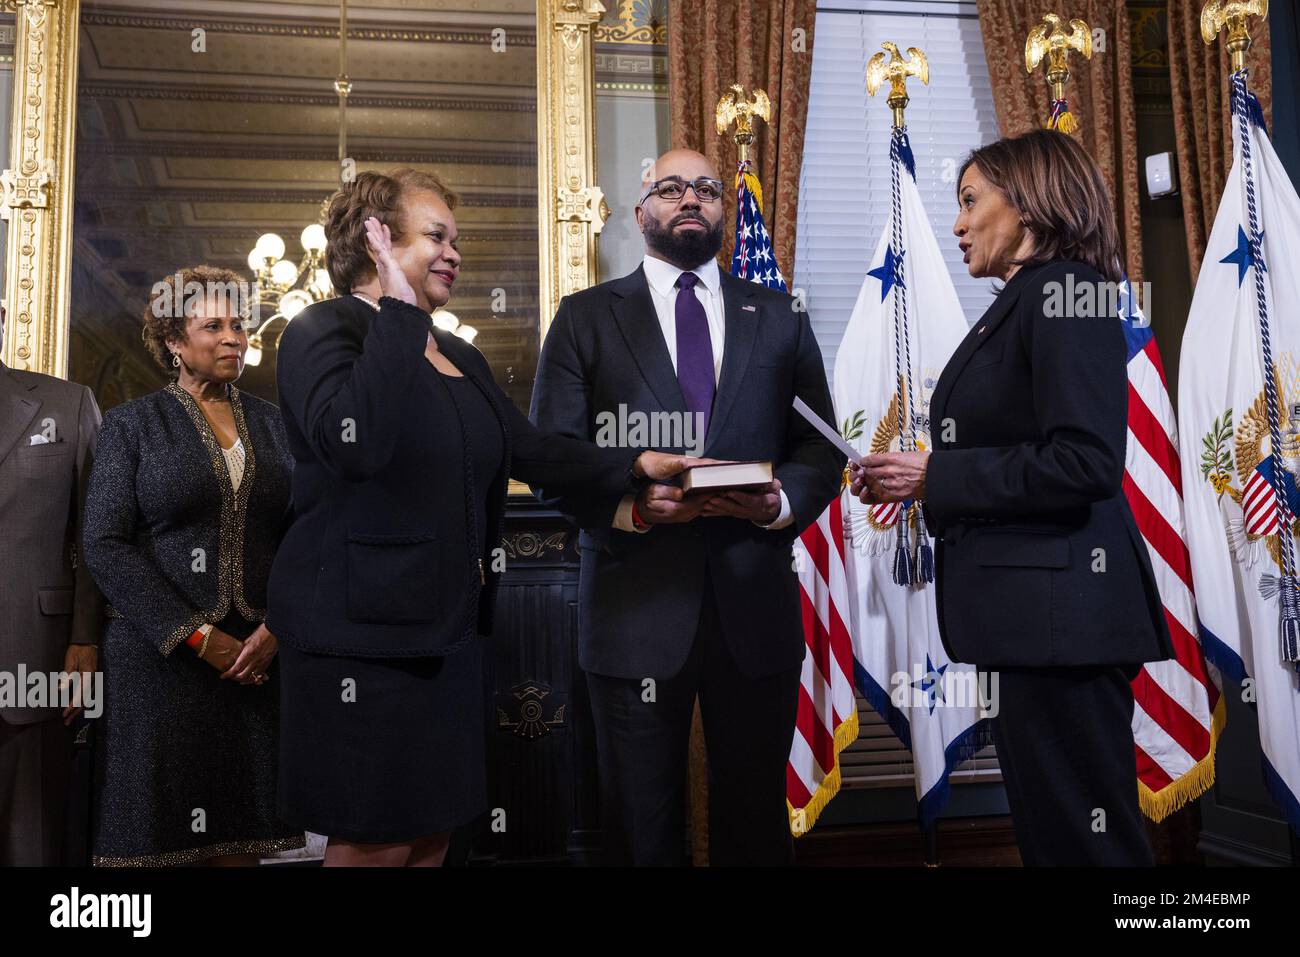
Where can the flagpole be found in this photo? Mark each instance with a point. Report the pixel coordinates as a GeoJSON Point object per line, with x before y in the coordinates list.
{"type": "Point", "coordinates": [891, 66]}
{"type": "Point", "coordinates": [1235, 15]}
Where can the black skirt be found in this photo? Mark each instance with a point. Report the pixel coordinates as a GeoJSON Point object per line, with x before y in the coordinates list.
{"type": "Point", "coordinates": [379, 751]}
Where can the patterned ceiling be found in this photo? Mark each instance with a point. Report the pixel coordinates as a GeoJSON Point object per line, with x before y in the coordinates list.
{"type": "Point", "coordinates": [186, 157]}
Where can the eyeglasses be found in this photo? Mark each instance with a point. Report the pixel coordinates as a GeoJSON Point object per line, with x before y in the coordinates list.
{"type": "Point", "coordinates": [706, 190]}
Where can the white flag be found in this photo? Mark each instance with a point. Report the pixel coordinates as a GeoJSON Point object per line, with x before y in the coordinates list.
{"type": "Point", "coordinates": [931, 703]}
{"type": "Point", "coordinates": [1237, 481]}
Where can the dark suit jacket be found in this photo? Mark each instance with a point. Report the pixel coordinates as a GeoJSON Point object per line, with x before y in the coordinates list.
{"type": "Point", "coordinates": [48, 599]}
{"type": "Point", "coordinates": [160, 490]}
{"type": "Point", "coordinates": [1023, 490]}
{"type": "Point", "coordinates": [382, 557]}
{"type": "Point", "coordinates": [640, 594]}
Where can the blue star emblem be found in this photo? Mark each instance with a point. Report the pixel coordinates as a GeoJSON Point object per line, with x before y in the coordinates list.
{"type": "Point", "coordinates": [889, 273]}
{"type": "Point", "coordinates": [1242, 255]}
{"type": "Point", "coordinates": [931, 683]}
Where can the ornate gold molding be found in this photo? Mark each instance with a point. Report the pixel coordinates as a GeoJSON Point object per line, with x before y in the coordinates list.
{"type": "Point", "coordinates": [640, 23]}
{"type": "Point", "coordinates": [571, 207]}
{"type": "Point", "coordinates": [38, 187]}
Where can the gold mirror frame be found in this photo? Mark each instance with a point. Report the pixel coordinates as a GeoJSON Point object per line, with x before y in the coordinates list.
{"type": "Point", "coordinates": [37, 201]}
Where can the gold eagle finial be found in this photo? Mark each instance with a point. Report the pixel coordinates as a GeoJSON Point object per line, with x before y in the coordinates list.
{"type": "Point", "coordinates": [1235, 15]}
{"type": "Point", "coordinates": [1048, 39]}
{"type": "Point", "coordinates": [733, 107]}
{"type": "Point", "coordinates": [896, 70]}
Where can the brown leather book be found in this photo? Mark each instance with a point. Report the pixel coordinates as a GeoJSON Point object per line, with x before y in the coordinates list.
{"type": "Point", "coordinates": [726, 475]}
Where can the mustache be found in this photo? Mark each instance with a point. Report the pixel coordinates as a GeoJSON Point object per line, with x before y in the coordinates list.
{"type": "Point", "coordinates": [688, 218]}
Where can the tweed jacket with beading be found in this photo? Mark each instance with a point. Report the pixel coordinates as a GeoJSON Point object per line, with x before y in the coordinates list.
{"type": "Point", "coordinates": [168, 539]}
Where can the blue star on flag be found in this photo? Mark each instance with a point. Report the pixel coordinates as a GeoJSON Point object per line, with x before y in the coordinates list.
{"type": "Point", "coordinates": [890, 273]}
{"type": "Point", "coordinates": [931, 683]}
{"type": "Point", "coordinates": [1243, 256]}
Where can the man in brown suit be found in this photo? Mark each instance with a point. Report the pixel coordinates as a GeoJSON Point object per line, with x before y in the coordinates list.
{"type": "Point", "coordinates": [51, 613]}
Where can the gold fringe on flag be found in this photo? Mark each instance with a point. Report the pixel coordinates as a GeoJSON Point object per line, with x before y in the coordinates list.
{"type": "Point", "coordinates": [1158, 805]}
{"type": "Point", "coordinates": [802, 819]}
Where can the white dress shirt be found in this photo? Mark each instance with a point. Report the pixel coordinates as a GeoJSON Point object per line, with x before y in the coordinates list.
{"type": "Point", "coordinates": [662, 278]}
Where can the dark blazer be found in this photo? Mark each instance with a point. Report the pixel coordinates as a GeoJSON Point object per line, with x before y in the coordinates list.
{"type": "Point", "coordinates": [160, 490]}
{"type": "Point", "coordinates": [640, 594]}
{"type": "Point", "coordinates": [49, 599]}
{"type": "Point", "coordinates": [382, 557]}
{"type": "Point", "coordinates": [1024, 490]}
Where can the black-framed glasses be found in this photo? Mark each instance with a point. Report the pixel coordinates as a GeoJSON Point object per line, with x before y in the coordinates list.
{"type": "Point", "coordinates": [674, 188]}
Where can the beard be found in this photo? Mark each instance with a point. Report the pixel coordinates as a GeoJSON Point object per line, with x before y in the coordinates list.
{"type": "Point", "coordinates": [688, 249]}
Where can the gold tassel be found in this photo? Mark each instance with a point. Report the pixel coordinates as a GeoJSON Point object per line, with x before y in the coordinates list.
{"type": "Point", "coordinates": [1065, 123]}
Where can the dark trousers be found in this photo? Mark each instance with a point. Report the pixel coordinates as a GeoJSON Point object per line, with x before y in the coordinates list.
{"type": "Point", "coordinates": [642, 749]}
{"type": "Point", "coordinates": [35, 761]}
{"type": "Point", "coordinates": [1065, 745]}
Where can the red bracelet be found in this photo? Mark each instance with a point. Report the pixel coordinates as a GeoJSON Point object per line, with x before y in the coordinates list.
{"type": "Point", "coordinates": [636, 518]}
{"type": "Point", "coordinates": [195, 639]}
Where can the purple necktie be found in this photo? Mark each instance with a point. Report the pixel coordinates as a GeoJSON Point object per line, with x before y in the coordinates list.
{"type": "Point", "coordinates": [694, 350]}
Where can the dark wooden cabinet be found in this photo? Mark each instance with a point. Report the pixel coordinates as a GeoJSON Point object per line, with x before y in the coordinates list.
{"type": "Point", "coordinates": [541, 744]}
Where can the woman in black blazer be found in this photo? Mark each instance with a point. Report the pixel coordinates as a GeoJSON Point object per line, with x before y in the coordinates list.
{"type": "Point", "coordinates": [384, 582]}
{"type": "Point", "coordinates": [1041, 573]}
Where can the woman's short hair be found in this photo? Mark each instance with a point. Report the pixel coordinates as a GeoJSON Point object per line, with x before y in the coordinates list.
{"type": "Point", "coordinates": [371, 194]}
{"type": "Point", "coordinates": [175, 298]}
{"type": "Point", "coordinates": [1058, 190]}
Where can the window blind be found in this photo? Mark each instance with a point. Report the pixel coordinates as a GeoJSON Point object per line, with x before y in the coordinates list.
{"type": "Point", "coordinates": [844, 183]}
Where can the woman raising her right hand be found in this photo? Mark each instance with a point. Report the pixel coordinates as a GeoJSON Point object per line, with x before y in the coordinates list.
{"type": "Point", "coordinates": [403, 445]}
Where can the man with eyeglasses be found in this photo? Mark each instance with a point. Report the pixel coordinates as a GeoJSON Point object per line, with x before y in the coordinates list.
{"type": "Point", "coordinates": [691, 595]}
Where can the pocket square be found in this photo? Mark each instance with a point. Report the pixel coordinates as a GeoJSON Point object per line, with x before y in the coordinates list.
{"type": "Point", "coordinates": [38, 439]}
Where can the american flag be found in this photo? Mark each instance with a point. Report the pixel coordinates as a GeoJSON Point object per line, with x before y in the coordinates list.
{"type": "Point", "coordinates": [827, 719]}
{"type": "Point", "coordinates": [1257, 499]}
{"type": "Point", "coordinates": [753, 258]}
{"type": "Point", "coordinates": [1178, 710]}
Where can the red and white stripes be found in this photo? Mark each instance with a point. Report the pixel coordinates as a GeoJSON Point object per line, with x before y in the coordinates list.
{"type": "Point", "coordinates": [827, 719]}
{"type": "Point", "coordinates": [1178, 711]}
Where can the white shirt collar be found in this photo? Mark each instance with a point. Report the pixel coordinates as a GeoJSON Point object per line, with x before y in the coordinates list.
{"type": "Point", "coordinates": [662, 276]}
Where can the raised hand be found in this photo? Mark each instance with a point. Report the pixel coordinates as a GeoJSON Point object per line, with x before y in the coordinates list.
{"type": "Point", "coordinates": [392, 281]}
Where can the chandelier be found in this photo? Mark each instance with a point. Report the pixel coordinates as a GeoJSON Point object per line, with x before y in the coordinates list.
{"type": "Point", "coordinates": [286, 288]}
{"type": "Point", "coordinates": [281, 286]}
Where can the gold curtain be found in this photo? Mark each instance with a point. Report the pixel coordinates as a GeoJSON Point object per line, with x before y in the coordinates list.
{"type": "Point", "coordinates": [1100, 94]}
{"type": "Point", "coordinates": [1198, 76]}
{"type": "Point", "coordinates": [715, 43]}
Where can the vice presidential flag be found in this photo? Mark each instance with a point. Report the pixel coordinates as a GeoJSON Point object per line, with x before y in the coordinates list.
{"type": "Point", "coordinates": [1239, 419]}
{"type": "Point", "coordinates": [905, 325]}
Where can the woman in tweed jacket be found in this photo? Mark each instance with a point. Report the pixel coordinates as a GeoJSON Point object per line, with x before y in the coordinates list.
{"type": "Point", "coordinates": [187, 500]}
